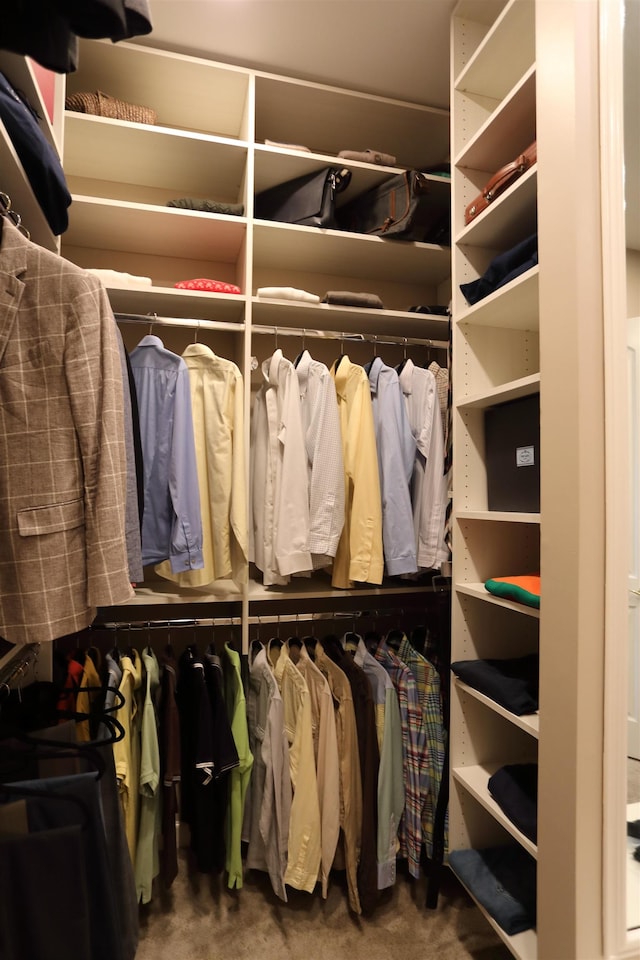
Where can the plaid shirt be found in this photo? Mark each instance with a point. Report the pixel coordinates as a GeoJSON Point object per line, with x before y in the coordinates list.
{"type": "Point", "coordinates": [414, 746]}
{"type": "Point", "coordinates": [428, 685]}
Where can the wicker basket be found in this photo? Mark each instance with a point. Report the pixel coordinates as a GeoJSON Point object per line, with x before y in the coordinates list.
{"type": "Point", "coordinates": [102, 105]}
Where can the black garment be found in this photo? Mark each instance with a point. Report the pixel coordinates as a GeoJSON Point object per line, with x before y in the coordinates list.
{"type": "Point", "coordinates": [206, 759]}
{"type": "Point", "coordinates": [35, 28]}
{"type": "Point", "coordinates": [170, 766]}
{"type": "Point", "coordinates": [514, 787]}
{"type": "Point", "coordinates": [40, 161]}
{"type": "Point", "coordinates": [364, 707]}
{"type": "Point", "coordinates": [48, 30]}
{"type": "Point", "coordinates": [503, 268]}
{"type": "Point", "coordinates": [46, 869]}
{"type": "Point", "coordinates": [137, 440]}
{"type": "Point", "coordinates": [56, 808]}
{"type": "Point", "coordinates": [513, 682]}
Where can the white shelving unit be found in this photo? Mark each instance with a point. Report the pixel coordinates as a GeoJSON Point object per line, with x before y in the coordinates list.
{"type": "Point", "coordinates": [208, 142]}
{"type": "Point", "coordinates": [496, 359]}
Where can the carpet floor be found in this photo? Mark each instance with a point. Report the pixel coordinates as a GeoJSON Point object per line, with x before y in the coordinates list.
{"type": "Point", "coordinates": [199, 919]}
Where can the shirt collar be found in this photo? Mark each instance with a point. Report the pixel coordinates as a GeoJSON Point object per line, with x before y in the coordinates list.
{"type": "Point", "coordinates": [341, 376]}
{"type": "Point", "coordinates": [406, 378]}
{"type": "Point", "coordinates": [271, 367]}
{"type": "Point", "coordinates": [150, 340]}
{"type": "Point", "coordinates": [375, 367]}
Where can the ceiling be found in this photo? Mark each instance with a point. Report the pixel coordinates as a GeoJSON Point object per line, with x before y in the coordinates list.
{"type": "Point", "coordinates": [393, 48]}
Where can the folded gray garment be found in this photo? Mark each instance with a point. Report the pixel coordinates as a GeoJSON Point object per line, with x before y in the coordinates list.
{"type": "Point", "coordinates": [349, 299]}
{"type": "Point", "coordinates": [369, 156]}
{"type": "Point", "coordinates": [208, 206]}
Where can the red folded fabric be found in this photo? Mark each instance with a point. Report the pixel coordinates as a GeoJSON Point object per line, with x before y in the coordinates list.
{"type": "Point", "coordinates": [208, 286]}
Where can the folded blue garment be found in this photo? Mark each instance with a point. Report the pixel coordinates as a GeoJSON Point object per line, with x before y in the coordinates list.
{"type": "Point", "coordinates": [503, 880]}
{"type": "Point", "coordinates": [502, 269]}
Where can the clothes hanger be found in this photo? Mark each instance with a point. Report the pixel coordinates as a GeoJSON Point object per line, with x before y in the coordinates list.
{"type": "Point", "coordinates": [300, 355]}
{"type": "Point", "coordinates": [403, 362]}
{"type": "Point", "coordinates": [342, 353]}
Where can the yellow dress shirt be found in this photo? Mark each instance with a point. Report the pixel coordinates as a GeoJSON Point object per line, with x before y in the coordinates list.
{"type": "Point", "coordinates": [359, 556]}
{"type": "Point", "coordinates": [217, 404]}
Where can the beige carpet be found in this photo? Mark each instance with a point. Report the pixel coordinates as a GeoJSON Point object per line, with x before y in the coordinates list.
{"type": "Point", "coordinates": [199, 919]}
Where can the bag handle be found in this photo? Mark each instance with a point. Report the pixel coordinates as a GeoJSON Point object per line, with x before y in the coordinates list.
{"type": "Point", "coordinates": [509, 172]}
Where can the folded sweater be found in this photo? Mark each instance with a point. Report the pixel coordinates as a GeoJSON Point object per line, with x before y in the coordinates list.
{"type": "Point", "coordinates": [287, 293]}
{"type": "Point", "coordinates": [115, 278]}
{"type": "Point", "coordinates": [208, 206]}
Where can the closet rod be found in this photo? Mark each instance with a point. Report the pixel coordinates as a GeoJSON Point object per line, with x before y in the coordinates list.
{"type": "Point", "coordinates": [143, 625]}
{"type": "Point", "coordinates": [155, 321]}
{"type": "Point", "coordinates": [19, 664]}
{"type": "Point", "coordinates": [342, 335]}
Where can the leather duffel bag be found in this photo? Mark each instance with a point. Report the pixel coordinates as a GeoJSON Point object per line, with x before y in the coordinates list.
{"type": "Point", "coordinates": [308, 201]}
{"type": "Point", "coordinates": [404, 207]}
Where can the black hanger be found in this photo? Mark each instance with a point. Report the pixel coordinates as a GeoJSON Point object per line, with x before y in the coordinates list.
{"type": "Point", "coordinates": [13, 791]}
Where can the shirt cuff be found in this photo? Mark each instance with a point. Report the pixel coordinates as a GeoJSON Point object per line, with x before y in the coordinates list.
{"type": "Point", "coordinates": [182, 562]}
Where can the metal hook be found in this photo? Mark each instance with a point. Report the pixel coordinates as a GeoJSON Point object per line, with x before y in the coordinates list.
{"type": "Point", "coordinates": [375, 345]}
{"type": "Point", "coordinates": [151, 323]}
{"type": "Point", "coordinates": [404, 350]}
{"type": "Point", "coordinates": [276, 336]}
{"type": "Point", "coordinates": [195, 335]}
{"type": "Point", "coordinates": [304, 339]}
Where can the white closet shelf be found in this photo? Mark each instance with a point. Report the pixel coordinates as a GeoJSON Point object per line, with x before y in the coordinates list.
{"type": "Point", "coordinates": [523, 387]}
{"type": "Point", "coordinates": [339, 253]}
{"type": "Point", "coordinates": [514, 306]}
{"type": "Point", "coordinates": [20, 74]}
{"type": "Point", "coordinates": [302, 588]}
{"type": "Point", "coordinates": [177, 163]}
{"type": "Point", "coordinates": [509, 219]}
{"type": "Point", "coordinates": [103, 224]}
{"type": "Point", "coordinates": [511, 43]}
{"type": "Point", "coordinates": [523, 946]}
{"type": "Point", "coordinates": [274, 166]}
{"type": "Point", "coordinates": [289, 313]}
{"type": "Point", "coordinates": [16, 184]}
{"type": "Point", "coordinates": [166, 592]}
{"type": "Point", "coordinates": [160, 80]}
{"type": "Point", "coordinates": [501, 516]}
{"type": "Point", "coordinates": [327, 119]}
{"type": "Point", "coordinates": [529, 722]}
{"type": "Point", "coordinates": [509, 129]}
{"type": "Point", "coordinates": [475, 780]}
{"type": "Point", "coordinates": [185, 304]}
{"type": "Point", "coordinates": [479, 591]}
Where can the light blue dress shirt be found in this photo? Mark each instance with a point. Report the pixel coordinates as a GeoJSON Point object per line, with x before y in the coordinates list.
{"type": "Point", "coordinates": [396, 454]}
{"type": "Point", "coordinates": [172, 522]}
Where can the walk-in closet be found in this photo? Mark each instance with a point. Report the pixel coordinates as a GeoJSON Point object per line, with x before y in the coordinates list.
{"type": "Point", "coordinates": [318, 630]}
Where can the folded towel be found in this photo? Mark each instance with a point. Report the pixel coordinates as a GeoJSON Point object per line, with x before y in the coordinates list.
{"type": "Point", "coordinates": [115, 278]}
{"type": "Point", "coordinates": [287, 293]}
{"type": "Point", "coordinates": [369, 156]}
{"type": "Point", "coordinates": [208, 286]}
{"type": "Point", "coordinates": [525, 589]}
{"type": "Point", "coordinates": [349, 299]}
{"type": "Point", "coordinates": [287, 146]}
{"type": "Point", "coordinates": [207, 206]}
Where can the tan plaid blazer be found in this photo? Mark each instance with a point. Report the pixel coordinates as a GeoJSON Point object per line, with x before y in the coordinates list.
{"type": "Point", "coordinates": [62, 452]}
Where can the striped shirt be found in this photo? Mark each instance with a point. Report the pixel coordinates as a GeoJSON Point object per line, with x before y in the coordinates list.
{"type": "Point", "coordinates": [414, 748]}
{"type": "Point", "coordinates": [428, 686]}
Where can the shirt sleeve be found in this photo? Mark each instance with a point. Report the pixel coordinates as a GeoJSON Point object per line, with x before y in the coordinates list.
{"type": "Point", "coordinates": [366, 564]}
{"type": "Point", "coordinates": [324, 451]}
{"type": "Point", "coordinates": [186, 529]}
{"type": "Point", "coordinates": [432, 549]}
{"type": "Point", "coordinates": [396, 453]}
{"type": "Point", "coordinates": [94, 375]}
{"type": "Point", "coordinates": [238, 509]}
{"type": "Point", "coordinates": [291, 544]}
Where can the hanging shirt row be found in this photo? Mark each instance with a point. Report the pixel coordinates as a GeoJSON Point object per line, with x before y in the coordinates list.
{"type": "Point", "coordinates": [347, 471]}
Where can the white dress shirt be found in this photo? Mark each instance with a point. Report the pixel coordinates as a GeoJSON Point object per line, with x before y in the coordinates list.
{"type": "Point", "coordinates": [323, 443]}
{"type": "Point", "coordinates": [428, 483]}
{"type": "Point", "coordinates": [279, 482]}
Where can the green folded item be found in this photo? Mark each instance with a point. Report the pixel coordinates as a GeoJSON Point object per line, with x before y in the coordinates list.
{"type": "Point", "coordinates": [525, 589]}
{"type": "Point", "coordinates": [208, 206]}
